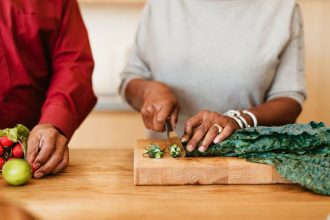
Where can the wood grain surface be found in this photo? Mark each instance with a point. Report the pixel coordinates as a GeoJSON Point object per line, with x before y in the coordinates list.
{"type": "Point", "coordinates": [99, 185]}
{"type": "Point", "coordinates": [203, 171]}
{"type": "Point", "coordinates": [13, 212]}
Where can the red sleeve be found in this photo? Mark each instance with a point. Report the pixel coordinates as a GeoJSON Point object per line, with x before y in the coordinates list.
{"type": "Point", "coordinates": [70, 96]}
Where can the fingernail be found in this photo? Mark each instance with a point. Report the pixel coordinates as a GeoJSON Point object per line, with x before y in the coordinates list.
{"type": "Point", "coordinates": [38, 175]}
{"type": "Point", "coordinates": [216, 140]}
{"type": "Point", "coordinates": [190, 148]}
{"type": "Point", "coordinates": [184, 139]}
{"type": "Point", "coordinates": [202, 149]}
{"type": "Point", "coordinates": [36, 166]}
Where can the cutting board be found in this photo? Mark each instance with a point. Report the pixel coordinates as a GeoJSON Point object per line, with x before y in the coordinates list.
{"type": "Point", "coordinates": [201, 170]}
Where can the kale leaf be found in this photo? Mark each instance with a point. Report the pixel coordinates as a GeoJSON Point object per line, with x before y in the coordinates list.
{"type": "Point", "coordinates": [299, 152]}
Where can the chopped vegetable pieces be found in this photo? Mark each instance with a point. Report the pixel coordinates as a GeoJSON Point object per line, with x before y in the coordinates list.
{"type": "Point", "coordinates": [154, 151]}
{"type": "Point", "coordinates": [175, 151]}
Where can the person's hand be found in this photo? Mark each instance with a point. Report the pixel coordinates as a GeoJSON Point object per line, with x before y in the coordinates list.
{"type": "Point", "coordinates": [159, 104]}
{"type": "Point", "coordinates": [203, 127]}
{"type": "Point", "coordinates": [47, 151]}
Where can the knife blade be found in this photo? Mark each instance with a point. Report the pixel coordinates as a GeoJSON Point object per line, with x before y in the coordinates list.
{"type": "Point", "coordinates": [173, 137]}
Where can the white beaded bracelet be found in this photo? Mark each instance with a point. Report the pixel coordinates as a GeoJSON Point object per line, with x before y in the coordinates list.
{"type": "Point", "coordinates": [236, 116]}
{"type": "Point", "coordinates": [253, 117]}
{"type": "Point", "coordinates": [239, 117]}
{"type": "Point", "coordinates": [246, 124]}
{"type": "Point", "coordinates": [239, 122]}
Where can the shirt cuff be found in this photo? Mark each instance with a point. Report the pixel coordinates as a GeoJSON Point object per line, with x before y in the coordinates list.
{"type": "Point", "coordinates": [61, 118]}
{"type": "Point", "coordinates": [299, 97]}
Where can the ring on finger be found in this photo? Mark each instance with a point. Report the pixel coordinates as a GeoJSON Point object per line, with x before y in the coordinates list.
{"type": "Point", "coordinates": [219, 128]}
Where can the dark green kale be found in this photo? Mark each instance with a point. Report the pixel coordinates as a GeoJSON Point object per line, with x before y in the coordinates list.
{"type": "Point", "coordinates": [311, 170]}
{"type": "Point", "coordinates": [300, 153]}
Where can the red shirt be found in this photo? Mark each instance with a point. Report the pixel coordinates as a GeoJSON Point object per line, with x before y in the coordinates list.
{"type": "Point", "coordinates": [45, 64]}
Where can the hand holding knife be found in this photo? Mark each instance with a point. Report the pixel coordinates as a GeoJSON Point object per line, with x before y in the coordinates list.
{"type": "Point", "coordinates": [173, 137]}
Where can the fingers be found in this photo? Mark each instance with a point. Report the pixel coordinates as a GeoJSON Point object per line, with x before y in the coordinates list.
{"type": "Point", "coordinates": [53, 149]}
{"type": "Point", "coordinates": [197, 137]}
{"type": "Point", "coordinates": [64, 163]}
{"type": "Point", "coordinates": [226, 132]}
{"type": "Point", "coordinates": [209, 137]}
{"type": "Point", "coordinates": [32, 150]}
{"type": "Point", "coordinates": [154, 116]}
{"type": "Point", "coordinates": [200, 129]}
{"type": "Point", "coordinates": [55, 159]}
{"type": "Point", "coordinates": [47, 148]}
{"type": "Point", "coordinates": [147, 113]}
{"type": "Point", "coordinates": [175, 116]}
{"type": "Point", "coordinates": [158, 104]}
{"type": "Point", "coordinates": [159, 120]}
{"type": "Point", "coordinates": [190, 126]}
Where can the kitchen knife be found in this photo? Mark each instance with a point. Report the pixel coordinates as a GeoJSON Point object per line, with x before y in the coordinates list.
{"type": "Point", "coordinates": [173, 137]}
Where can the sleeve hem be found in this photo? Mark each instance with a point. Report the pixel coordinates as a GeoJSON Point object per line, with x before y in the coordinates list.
{"type": "Point", "coordinates": [61, 118]}
{"type": "Point", "coordinates": [299, 97]}
{"type": "Point", "coordinates": [123, 86]}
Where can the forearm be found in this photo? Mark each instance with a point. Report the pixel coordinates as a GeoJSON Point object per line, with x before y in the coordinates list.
{"type": "Point", "coordinates": [275, 112]}
{"type": "Point", "coordinates": [135, 92]}
{"type": "Point", "coordinates": [70, 96]}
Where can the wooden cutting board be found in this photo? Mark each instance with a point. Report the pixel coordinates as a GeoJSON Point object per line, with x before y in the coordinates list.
{"type": "Point", "coordinates": [201, 170]}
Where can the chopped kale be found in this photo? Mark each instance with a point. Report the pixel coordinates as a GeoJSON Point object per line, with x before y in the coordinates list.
{"type": "Point", "coordinates": [175, 151]}
{"type": "Point", "coordinates": [154, 151]}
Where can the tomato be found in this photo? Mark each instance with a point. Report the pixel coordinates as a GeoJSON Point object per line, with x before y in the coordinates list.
{"type": "Point", "coordinates": [1, 150]}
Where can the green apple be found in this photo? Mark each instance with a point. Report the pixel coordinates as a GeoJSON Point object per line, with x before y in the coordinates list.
{"type": "Point", "coordinates": [17, 172]}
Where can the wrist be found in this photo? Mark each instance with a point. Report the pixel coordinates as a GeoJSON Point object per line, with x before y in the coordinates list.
{"type": "Point", "coordinates": [236, 115]}
{"type": "Point", "coordinates": [251, 117]}
{"type": "Point", "coordinates": [152, 87]}
{"type": "Point", "coordinates": [247, 118]}
{"type": "Point", "coordinates": [58, 130]}
{"type": "Point", "coordinates": [50, 126]}
{"type": "Point", "coordinates": [135, 92]}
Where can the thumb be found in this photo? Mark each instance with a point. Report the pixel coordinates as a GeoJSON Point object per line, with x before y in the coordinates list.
{"type": "Point", "coordinates": [164, 113]}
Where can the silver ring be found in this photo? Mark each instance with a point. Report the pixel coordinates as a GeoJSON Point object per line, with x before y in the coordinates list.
{"type": "Point", "coordinates": [219, 128]}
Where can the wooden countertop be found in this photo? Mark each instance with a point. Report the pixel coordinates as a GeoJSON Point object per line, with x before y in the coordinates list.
{"type": "Point", "coordinates": [99, 185]}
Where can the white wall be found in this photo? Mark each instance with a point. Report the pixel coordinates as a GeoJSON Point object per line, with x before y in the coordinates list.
{"type": "Point", "coordinates": [111, 30]}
